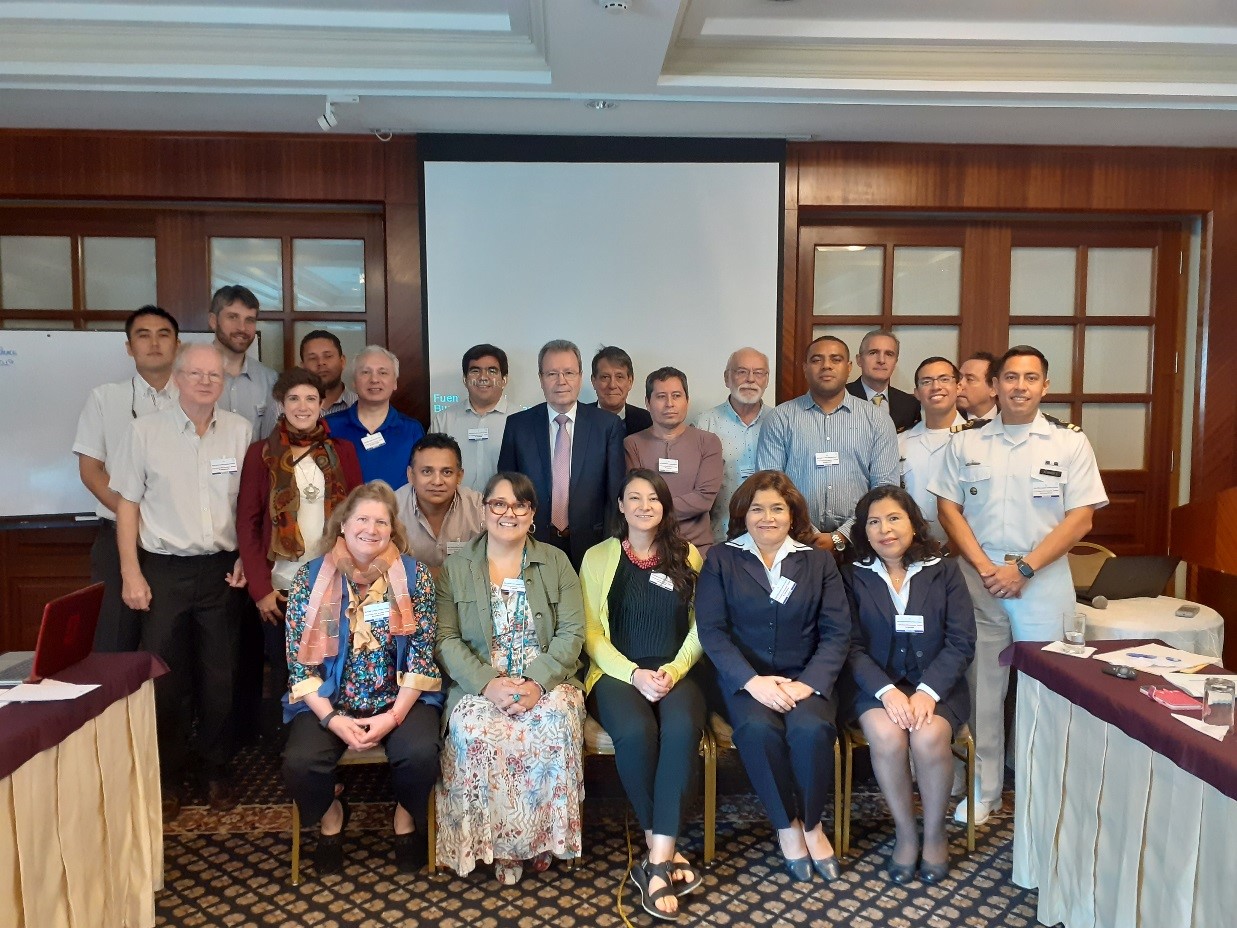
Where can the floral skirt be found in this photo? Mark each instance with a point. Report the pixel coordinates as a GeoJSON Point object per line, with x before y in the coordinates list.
{"type": "Point", "coordinates": [511, 787]}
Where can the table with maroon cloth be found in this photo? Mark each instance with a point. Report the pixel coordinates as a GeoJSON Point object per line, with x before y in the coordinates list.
{"type": "Point", "coordinates": [81, 832]}
{"type": "Point", "coordinates": [1123, 816]}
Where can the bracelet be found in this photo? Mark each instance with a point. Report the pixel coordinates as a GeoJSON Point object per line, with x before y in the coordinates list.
{"type": "Point", "coordinates": [325, 721]}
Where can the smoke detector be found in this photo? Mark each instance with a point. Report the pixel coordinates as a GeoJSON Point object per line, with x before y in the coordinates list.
{"type": "Point", "coordinates": [614, 6]}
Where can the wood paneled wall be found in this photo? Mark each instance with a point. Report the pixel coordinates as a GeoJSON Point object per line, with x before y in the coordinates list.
{"type": "Point", "coordinates": [827, 180]}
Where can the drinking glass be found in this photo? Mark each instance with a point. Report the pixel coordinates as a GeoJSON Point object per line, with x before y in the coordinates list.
{"type": "Point", "coordinates": [1075, 633]}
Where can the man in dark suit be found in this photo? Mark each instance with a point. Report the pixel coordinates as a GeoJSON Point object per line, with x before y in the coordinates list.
{"type": "Point", "coordinates": [572, 452]}
{"type": "Point", "coordinates": [878, 359]}
{"type": "Point", "coordinates": [613, 377]}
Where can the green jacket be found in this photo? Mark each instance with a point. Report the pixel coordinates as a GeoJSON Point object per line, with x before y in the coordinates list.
{"type": "Point", "coordinates": [466, 628]}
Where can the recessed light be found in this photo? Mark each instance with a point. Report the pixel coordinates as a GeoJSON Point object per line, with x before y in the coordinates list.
{"type": "Point", "coordinates": [600, 105]}
{"type": "Point", "coordinates": [613, 6]}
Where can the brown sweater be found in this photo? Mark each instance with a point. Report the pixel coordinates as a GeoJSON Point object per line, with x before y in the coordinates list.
{"type": "Point", "coordinates": [696, 484]}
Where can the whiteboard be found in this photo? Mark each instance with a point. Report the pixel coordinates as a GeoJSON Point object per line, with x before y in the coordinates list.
{"type": "Point", "coordinates": [677, 263]}
{"type": "Point", "coordinates": [45, 378]}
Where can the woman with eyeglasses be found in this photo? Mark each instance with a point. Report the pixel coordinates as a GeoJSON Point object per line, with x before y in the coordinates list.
{"type": "Point", "coordinates": [510, 628]}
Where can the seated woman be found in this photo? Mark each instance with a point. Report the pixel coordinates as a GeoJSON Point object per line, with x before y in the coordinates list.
{"type": "Point", "coordinates": [640, 633]}
{"type": "Point", "coordinates": [291, 482]}
{"type": "Point", "coordinates": [361, 631]}
{"type": "Point", "coordinates": [772, 617]}
{"type": "Point", "coordinates": [510, 626]}
{"type": "Point", "coordinates": [908, 659]}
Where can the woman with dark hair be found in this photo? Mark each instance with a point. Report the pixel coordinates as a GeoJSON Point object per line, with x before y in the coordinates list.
{"type": "Point", "coordinates": [640, 633]}
{"type": "Point", "coordinates": [772, 616]}
{"type": "Point", "coordinates": [291, 483]}
{"type": "Point", "coordinates": [361, 632]}
{"type": "Point", "coordinates": [510, 626]}
{"type": "Point", "coordinates": [907, 668]}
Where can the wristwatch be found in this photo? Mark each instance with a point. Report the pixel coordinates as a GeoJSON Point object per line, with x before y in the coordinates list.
{"type": "Point", "coordinates": [839, 541]}
{"type": "Point", "coordinates": [1024, 568]}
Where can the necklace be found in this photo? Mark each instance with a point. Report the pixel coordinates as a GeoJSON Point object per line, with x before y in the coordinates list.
{"type": "Point", "coordinates": [648, 562]}
{"type": "Point", "coordinates": [309, 479]}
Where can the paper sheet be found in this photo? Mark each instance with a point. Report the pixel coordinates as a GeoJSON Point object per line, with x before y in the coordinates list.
{"type": "Point", "coordinates": [46, 691]}
{"type": "Point", "coordinates": [1059, 647]}
{"type": "Point", "coordinates": [1211, 731]}
{"type": "Point", "coordinates": [1157, 658]}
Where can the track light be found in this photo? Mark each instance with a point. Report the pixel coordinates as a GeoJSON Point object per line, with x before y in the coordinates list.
{"type": "Point", "coordinates": [328, 120]}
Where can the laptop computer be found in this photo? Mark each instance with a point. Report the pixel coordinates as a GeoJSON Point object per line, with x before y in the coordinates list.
{"type": "Point", "coordinates": [1127, 577]}
{"type": "Point", "coordinates": [66, 636]}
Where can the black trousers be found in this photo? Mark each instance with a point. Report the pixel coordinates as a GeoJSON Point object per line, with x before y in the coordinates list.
{"type": "Point", "coordinates": [119, 628]}
{"type": "Point", "coordinates": [193, 624]}
{"type": "Point", "coordinates": [656, 745]}
{"type": "Point", "coordinates": [788, 757]}
{"type": "Point", "coordinates": [260, 643]}
{"type": "Point", "coordinates": [312, 754]}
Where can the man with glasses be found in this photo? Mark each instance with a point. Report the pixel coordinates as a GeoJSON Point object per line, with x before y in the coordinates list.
{"type": "Point", "coordinates": [613, 378]}
{"type": "Point", "coordinates": [152, 337]}
{"type": "Point", "coordinates": [177, 477]}
{"type": "Point", "coordinates": [878, 359]}
{"type": "Point", "coordinates": [477, 424]}
{"type": "Point", "coordinates": [572, 452]}
{"type": "Point", "coordinates": [736, 422]}
{"type": "Point", "coordinates": [921, 447]}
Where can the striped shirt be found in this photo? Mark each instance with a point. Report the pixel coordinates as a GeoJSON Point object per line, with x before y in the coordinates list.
{"type": "Point", "coordinates": [833, 458]}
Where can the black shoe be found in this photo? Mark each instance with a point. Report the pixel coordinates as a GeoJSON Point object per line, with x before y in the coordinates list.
{"type": "Point", "coordinates": [828, 868]}
{"type": "Point", "coordinates": [173, 799]}
{"type": "Point", "coordinates": [411, 852]}
{"type": "Point", "coordinates": [799, 868]}
{"type": "Point", "coordinates": [222, 795]}
{"type": "Point", "coordinates": [933, 873]}
{"type": "Point", "coordinates": [899, 873]}
{"type": "Point", "coordinates": [641, 874]}
{"type": "Point", "coordinates": [329, 854]}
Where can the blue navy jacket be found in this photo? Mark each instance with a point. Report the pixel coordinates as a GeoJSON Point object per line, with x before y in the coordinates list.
{"type": "Point", "coordinates": [746, 633]}
{"type": "Point", "coordinates": [943, 651]}
{"type": "Point", "coordinates": [596, 470]}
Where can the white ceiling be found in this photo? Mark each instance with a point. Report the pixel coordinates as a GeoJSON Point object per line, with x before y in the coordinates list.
{"type": "Point", "coordinates": [1117, 72]}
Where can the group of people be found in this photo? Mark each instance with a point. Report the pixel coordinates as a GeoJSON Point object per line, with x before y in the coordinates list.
{"type": "Point", "coordinates": [854, 555]}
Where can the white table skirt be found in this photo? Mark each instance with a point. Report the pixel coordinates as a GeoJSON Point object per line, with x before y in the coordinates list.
{"type": "Point", "coordinates": [1113, 834]}
{"type": "Point", "coordinates": [1152, 617]}
{"type": "Point", "coordinates": [81, 828]}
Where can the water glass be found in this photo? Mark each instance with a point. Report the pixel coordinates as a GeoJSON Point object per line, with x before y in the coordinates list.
{"type": "Point", "coordinates": [1075, 633]}
{"type": "Point", "coordinates": [1218, 702]}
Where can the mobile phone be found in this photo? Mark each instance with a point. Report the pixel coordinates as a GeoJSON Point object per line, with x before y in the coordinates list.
{"type": "Point", "coordinates": [1188, 611]}
{"type": "Point", "coordinates": [1121, 670]}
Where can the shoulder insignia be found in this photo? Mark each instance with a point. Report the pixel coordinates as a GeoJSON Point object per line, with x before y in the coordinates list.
{"type": "Point", "coordinates": [969, 424]}
{"type": "Point", "coordinates": [1062, 425]}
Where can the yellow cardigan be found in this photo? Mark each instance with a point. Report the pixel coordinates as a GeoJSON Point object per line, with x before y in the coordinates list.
{"type": "Point", "coordinates": [596, 574]}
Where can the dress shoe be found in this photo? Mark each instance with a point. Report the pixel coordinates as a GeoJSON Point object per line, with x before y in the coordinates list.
{"type": "Point", "coordinates": [982, 811]}
{"type": "Point", "coordinates": [329, 853]}
{"type": "Point", "coordinates": [411, 852]}
{"type": "Point", "coordinates": [828, 868]}
{"type": "Point", "coordinates": [799, 868]}
{"type": "Point", "coordinates": [222, 795]}
{"type": "Point", "coordinates": [899, 873]}
{"type": "Point", "coordinates": [933, 873]}
{"type": "Point", "coordinates": [173, 798]}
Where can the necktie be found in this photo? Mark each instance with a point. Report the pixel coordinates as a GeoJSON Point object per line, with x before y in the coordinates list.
{"type": "Point", "coordinates": [878, 399]}
{"type": "Point", "coordinates": [562, 473]}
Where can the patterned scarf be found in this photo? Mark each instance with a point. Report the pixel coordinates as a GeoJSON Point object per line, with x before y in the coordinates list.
{"type": "Point", "coordinates": [320, 639]}
{"type": "Point", "coordinates": [280, 454]}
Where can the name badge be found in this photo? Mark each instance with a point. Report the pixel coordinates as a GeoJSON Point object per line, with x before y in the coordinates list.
{"type": "Point", "coordinates": [828, 458]}
{"type": "Point", "coordinates": [370, 442]}
{"type": "Point", "coordinates": [668, 465]}
{"type": "Point", "coordinates": [513, 585]}
{"type": "Point", "coordinates": [1053, 472]}
{"type": "Point", "coordinates": [745, 472]}
{"type": "Point", "coordinates": [453, 546]}
{"type": "Point", "coordinates": [223, 465]}
{"type": "Point", "coordinates": [782, 590]}
{"type": "Point", "coordinates": [912, 624]}
{"type": "Point", "coordinates": [1047, 491]}
{"type": "Point", "coordinates": [375, 611]}
{"type": "Point", "coordinates": [659, 579]}
{"type": "Point", "coordinates": [478, 434]}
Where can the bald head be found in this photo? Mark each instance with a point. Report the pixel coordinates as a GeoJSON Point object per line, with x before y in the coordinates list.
{"type": "Point", "coordinates": [747, 376]}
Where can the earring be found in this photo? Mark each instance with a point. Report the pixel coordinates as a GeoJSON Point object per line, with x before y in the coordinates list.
{"type": "Point", "coordinates": [532, 528]}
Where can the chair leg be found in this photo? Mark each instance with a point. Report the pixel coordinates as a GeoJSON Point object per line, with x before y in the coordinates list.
{"type": "Point", "coordinates": [970, 805]}
{"type": "Point", "coordinates": [431, 831]}
{"type": "Point", "coordinates": [296, 845]}
{"type": "Point", "coordinates": [837, 797]}
{"type": "Point", "coordinates": [708, 747]}
{"type": "Point", "coordinates": [848, 797]}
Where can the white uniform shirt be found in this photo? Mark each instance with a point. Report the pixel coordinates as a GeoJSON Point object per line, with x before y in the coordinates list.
{"type": "Point", "coordinates": [185, 484]}
{"type": "Point", "coordinates": [922, 452]}
{"type": "Point", "coordinates": [109, 412]}
{"type": "Point", "coordinates": [480, 438]}
{"type": "Point", "coordinates": [1014, 491]}
{"type": "Point", "coordinates": [739, 441]}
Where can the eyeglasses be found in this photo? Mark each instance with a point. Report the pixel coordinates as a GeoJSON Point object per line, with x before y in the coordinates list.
{"type": "Point", "coordinates": [203, 376]}
{"type": "Point", "coordinates": [944, 380]}
{"type": "Point", "coordinates": [756, 373]}
{"type": "Point", "coordinates": [501, 506]}
{"type": "Point", "coordinates": [559, 375]}
{"type": "Point", "coordinates": [476, 373]}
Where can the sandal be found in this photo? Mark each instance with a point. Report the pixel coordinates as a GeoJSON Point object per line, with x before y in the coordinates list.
{"type": "Point", "coordinates": [641, 874]}
{"type": "Point", "coordinates": [686, 887]}
{"type": "Point", "coordinates": [329, 853]}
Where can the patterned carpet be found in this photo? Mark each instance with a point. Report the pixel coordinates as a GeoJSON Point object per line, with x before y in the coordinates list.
{"type": "Point", "coordinates": [233, 870]}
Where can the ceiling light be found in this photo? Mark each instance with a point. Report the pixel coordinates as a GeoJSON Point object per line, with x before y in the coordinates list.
{"type": "Point", "coordinates": [328, 120]}
{"type": "Point", "coordinates": [600, 105]}
{"type": "Point", "coordinates": [613, 6]}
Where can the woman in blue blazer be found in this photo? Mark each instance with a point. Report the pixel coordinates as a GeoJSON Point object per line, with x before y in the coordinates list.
{"type": "Point", "coordinates": [771, 614]}
{"type": "Point", "coordinates": [912, 641]}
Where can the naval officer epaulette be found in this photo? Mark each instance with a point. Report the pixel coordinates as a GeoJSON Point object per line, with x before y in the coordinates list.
{"type": "Point", "coordinates": [969, 424]}
{"type": "Point", "coordinates": [1062, 425]}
